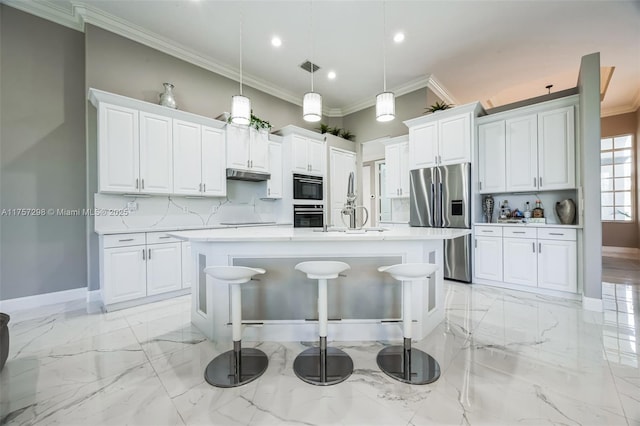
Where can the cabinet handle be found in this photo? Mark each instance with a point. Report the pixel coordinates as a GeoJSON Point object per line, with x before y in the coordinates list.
{"type": "Point", "coordinates": [149, 257]}
{"type": "Point", "coordinates": [142, 183]}
{"type": "Point", "coordinates": [533, 246]}
{"type": "Point", "coordinates": [252, 164]}
{"type": "Point", "coordinates": [126, 239]}
{"type": "Point", "coordinates": [534, 182]}
{"type": "Point", "coordinates": [247, 163]}
{"type": "Point", "coordinates": [200, 187]}
{"type": "Point", "coordinates": [435, 159]}
{"type": "Point", "coordinates": [486, 230]}
{"type": "Point", "coordinates": [204, 187]}
{"type": "Point", "coordinates": [518, 232]}
{"type": "Point", "coordinates": [475, 244]}
{"type": "Point", "coordinates": [539, 247]}
{"type": "Point", "coordinates": [439, 159]}
{"type": "Point", "coordinates": [556, 233]}
{"type": "Point", "coordinates": [137, 180]}
{"type": "Point", "coordinates": [480, 183]}
{"type": "Point", "coordinates": [144, 254]}
{"type": "Point", "coordinates": [540, 181]}
{"type": "Point", "coordinates": [164, 237]}
{"type": "Point", "coordinates": [268, 191]}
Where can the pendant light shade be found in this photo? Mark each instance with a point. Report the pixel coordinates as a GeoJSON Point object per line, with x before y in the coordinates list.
{"type": "Point", "coordinates": [240, 110]}
{"type": "Point", "coordinates": [312, 107]}
{"type": "Point", "coordinates": [385, 106]}
{"type": "Point", "coordinates": [240, 105]}
{"type": "Point", "coordinates": [385, 101]}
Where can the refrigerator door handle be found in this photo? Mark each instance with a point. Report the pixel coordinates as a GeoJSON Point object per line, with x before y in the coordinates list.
{"type": "Point", "coordinates": [441, 208]}
{"type": "Point", "coordinates": [432, 219]}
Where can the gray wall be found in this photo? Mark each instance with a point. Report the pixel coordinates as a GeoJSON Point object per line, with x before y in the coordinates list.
{"type": "Point", "coordinates": [589, 86]}
{"type": "Point", "coordinates": [621, 234]}
{"type": "Point", "coordinates": [119, 65]}
{"type": "Point", "coordinates": [42, 155]}
{"type": "Point", "coordinates": [364, 125]}
{"type": "Point", "coordinates": [638, 171]}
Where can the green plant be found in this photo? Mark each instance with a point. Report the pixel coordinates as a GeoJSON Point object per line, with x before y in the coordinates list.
{"type": "Point", "coordinates": [345, 134]}
{"type": "Point", "coordinates": [256, 122]}
{"type": "Point", "coordinates": [324, 128]}
{"type": "Point", "coordinates": [335, 131]}
{"type": "Point", "coordinates": [438, 106]}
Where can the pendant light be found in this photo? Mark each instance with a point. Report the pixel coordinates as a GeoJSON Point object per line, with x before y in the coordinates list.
{"type": "Point", "coordinates": [240, 105]}
{"type": "Point", "coordinates": [312, 101]}
{"type": "Point", "coordinates": [385, 101]}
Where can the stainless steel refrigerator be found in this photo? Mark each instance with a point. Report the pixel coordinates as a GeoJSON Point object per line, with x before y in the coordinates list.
{"type": "Point", "coordinates": [441, 198]}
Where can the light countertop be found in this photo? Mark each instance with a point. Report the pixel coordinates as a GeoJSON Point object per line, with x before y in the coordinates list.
{"type": "Point", "coordinates": [107, 231]}
{"type": "Point", "coordinates": [530, 225]}
{"type": "Point", "coordinates": [310, 234]}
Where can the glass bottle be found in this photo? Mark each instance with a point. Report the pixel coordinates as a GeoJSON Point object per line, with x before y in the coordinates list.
{"type": "Point", "coordinates": [538, 211]}
{"type": "Point", "coordinates": [527, 210]}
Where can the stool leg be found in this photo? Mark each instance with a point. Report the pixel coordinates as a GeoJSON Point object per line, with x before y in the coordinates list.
{"type": "Point", "coordinates": [236, 329]}
{"type": "Point", "coordinates": [322, 323]}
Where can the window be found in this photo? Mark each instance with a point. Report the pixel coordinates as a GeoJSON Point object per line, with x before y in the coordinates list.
{"type": "Point", "coordinates": [616, 178]}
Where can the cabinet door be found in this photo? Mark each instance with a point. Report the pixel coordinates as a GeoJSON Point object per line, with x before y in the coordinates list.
{"type": "Point", "coordinates": [403, 171]}
{"type": "Point", "coordinates": [118, 149]}
{"type": "Point", "coordinates": [454, 139]}
{"type": "Point", "coordinates": [188, 265]}
{"type": "Point", "coordinates": [238, 142]}
{"type": "Point", "coordinates": [521, 153]}
{"type": "Point", "coordinates": [156, 154]}
{"type": "Point", "coordinates": [274, 185]}
{"type": "Point", "coordinates": [341, 164]}
{"type": "Point", "coordinates": [315, 156]}
{"type": "Point", "coordinates": [520, 261]}
{"type": "Point", "coordinates": [488, 258]}
{"type": "Point", "coordinates": [556, 149]}
{"type": "Point", "coordinates": [392, 168]}
{"type": "Point", "coordinates": [299, 148]}
{"type": "Point", "coordinates": [214, 172]}
{"type": "Point", "coordinates": [164, 265]}
{"type": "Point", "coordinates": [259, 151]}
{"type": "Point", "coordinates": [557, 265]}
{"type": "Point", "coordinates": [423, 145]}
{"type": "Point", "coordinates": [491, 157]}
{"type": "Point", "coordinates": [124, 274]}
{"type": "Point", "coordinates": [187, 178]}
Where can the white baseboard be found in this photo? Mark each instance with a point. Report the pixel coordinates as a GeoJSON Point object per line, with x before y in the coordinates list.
{"type": "Point", "coordinates": [626, 252]}
{"type": "Point", "coordinates": [591, 304]}
{"type": "Point", "coordinates": [39, 300]}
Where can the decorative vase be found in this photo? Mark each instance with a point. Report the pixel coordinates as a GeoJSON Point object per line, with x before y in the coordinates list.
{"type": "Point", "coordinates": [4, 339]}
{"type": "Point", "coordinates": [566, 211]}
{"type": "Point", "coordinates": [487, 208]}
{"type": "Point", "coordinates": [166, 97]}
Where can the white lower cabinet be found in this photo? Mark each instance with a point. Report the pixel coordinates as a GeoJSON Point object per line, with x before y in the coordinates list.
{"type": "Point", "coordinates": [135, 266]}
{"type": "Point", "coordinates": [543, 258]}
{"type": "Point", "coordinates": [187, 265]}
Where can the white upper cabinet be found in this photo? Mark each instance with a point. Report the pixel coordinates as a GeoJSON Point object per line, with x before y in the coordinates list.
{"type": "Point", "coordinates": [534, 149]}
{"type": "Point", "coordinates": [156, 154]}
{"type": "Point", "coordinates": [150, 149]}
{"type": "Point", "coordinates": [556, 149]}
{"type": "Point", "coordinates": [187, 179]}
{"type": "Point", "coordinates": [442, 138]}
{"type": "Point", "coordinates": [274, 184]}
{"type": "Point", "coordinates": [397, 170]}
{"type": "Point", "coordinates": [214, 176]}
{"type": "Point", "coordinates": [491, 158]}
{"type": "Point", "coordinates": [308, 155]}
{"type": "Point", "coordinates": [118, 149]}
{"type": "Point", "coordinates": [423, 145]}
{"type": "Point", "coordinates": [454, 139]}
{"type": "Point", "coordinates": [247, 148]}
{"type": "Point", "coordinates": [521, 153]}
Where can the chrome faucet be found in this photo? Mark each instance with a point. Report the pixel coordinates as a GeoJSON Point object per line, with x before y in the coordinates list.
{"type": "Point", "coordinates": [350, 207]}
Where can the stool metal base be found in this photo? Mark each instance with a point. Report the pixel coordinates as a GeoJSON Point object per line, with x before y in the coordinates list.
{"type": "Point", "coordinates": [422, 367]}
{"type": "Point", "coordinates": [323, 366]}
{"type": "Point", "coordinates": [224, 371]}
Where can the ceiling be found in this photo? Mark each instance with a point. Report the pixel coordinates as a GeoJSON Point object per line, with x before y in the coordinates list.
{"type": "Point", "coordinates": [496, 52]}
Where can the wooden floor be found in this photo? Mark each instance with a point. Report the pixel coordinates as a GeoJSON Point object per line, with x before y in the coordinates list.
{"type": "Point", "coordinates": [619, 270]}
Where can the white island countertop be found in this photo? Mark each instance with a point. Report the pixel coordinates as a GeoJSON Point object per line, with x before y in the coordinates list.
{"type": "Point", "coordinates": [312, 234]}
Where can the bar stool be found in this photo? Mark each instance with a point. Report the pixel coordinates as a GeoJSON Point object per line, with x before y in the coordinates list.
{"type": "Point", "coordinates": [403, 363]}
{"type": "Point", "coordinates": [238, 366]}
{"type": "Point", "coordinates": [321, 365]}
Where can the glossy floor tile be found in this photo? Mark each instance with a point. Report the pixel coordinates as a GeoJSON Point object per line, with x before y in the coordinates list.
{"type": "Point", "coordinates": [507, 357]}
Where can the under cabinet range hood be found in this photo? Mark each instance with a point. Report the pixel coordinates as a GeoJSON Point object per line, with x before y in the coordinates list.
{"type": "Point", "coordinates": [237, 174]}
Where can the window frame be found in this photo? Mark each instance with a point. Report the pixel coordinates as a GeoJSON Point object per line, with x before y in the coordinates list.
{"type": "Point", "coordinates": [634, 171]}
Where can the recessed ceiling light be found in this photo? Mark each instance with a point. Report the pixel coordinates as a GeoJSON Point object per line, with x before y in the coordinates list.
{"type": "Point", "coordinates": [276, 41]}
{"type": "Point", "coordinates": [398, 38]}
{"type": "Point", "coordinates": [331, 75]}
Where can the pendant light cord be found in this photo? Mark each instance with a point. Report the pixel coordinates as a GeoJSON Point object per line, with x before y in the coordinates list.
{"type": "Point", "coordinates": [312, 46]}
{"type": "Point", "coordinates": [240, 51]}
{"type": "Point", "coordinates": [384, 47]}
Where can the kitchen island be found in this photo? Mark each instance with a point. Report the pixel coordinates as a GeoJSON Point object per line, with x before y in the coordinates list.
{"type": "Point", "coordinates": [281, 304]}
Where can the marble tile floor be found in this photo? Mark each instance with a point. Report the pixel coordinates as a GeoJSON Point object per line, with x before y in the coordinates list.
{"type": "Point", "coordinates": [507, 357]}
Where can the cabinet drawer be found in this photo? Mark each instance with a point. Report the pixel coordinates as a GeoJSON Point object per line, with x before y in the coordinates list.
{"type": "Point", "coordinates": [161, 237]}
{"type": "Point", "coordinates": [557, 234]}
{"type": "Point", "coordinates": [488, 231]}
{"type": "Point", "coordinates": [123, 240]}
{"type": "Point", "coordinates": [513, 232]}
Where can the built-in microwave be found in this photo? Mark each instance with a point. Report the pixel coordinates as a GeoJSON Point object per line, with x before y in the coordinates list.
{"type": "Point", "coordinates": [307, 187]}
{"type": "Point", "coordinates": [308, 215]}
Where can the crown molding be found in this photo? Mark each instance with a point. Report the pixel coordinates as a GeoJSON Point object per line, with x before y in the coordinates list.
{"type": "Point", "coordinates": [438, 88]}
{"type": "Point", "coordinates": [50, 11]}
